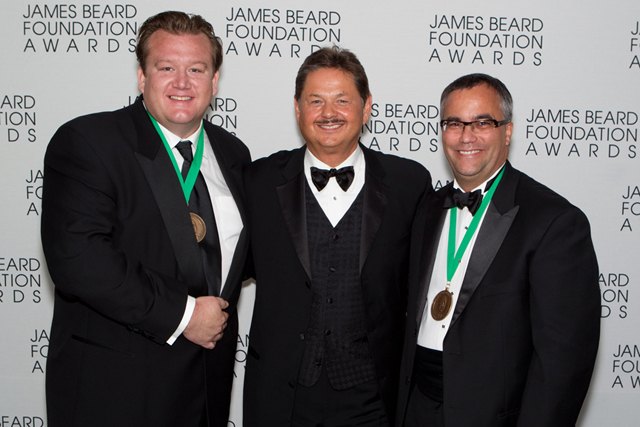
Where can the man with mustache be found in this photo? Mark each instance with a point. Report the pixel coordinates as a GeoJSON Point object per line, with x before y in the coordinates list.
{"type": "Point", "coordinates": [330, 225]}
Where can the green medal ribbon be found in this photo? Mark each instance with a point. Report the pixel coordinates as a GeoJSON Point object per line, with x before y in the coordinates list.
{"type": "Point", "coordinates": [188, 183]}
{"type": "Point", "coordinates": [455, 257]}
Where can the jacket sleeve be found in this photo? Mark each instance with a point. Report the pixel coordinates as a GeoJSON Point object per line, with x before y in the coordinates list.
{"type": "Point", "coordinates": [565, 321]}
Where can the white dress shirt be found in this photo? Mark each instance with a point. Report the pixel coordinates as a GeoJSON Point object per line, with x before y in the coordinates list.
{"type": "Point", "coordinates": [332, 199]}
{"type": "Point", "coordinates": [432, 332]}
{"type": "Point", "coordinates": [228, 220]}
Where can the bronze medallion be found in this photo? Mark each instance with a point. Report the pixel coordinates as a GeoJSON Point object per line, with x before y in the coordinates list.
{"type": "Point", "coordinates": [441, 304]}
{"type": "Point", "coordinates": [199, 227]}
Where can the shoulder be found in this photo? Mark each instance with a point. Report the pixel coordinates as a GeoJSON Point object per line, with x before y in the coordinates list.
{"type": "Point", "coordinates": [531, 191]}
{"type": "Point", "coordinates": [87, 132]}
{"type": "Point", "coordinates": [405, 177]}
{"type": "Point", "coordinates": [226, 140]}
{"type": "Point", "coordinates": [275, 162]}
{"type": "Point", "coordinates": [538, 200]}
{"type": "Point", "coordinates": [397, 165]}
{"type": "Point", "coordinates": [89, 122]}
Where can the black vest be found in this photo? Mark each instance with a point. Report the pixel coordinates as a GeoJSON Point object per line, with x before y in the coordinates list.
{"type": "Point", "coordinates": [336, 337]}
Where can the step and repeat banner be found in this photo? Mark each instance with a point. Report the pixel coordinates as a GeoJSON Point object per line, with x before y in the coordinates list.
{"type": "Point", "coordinates": [573, 68]}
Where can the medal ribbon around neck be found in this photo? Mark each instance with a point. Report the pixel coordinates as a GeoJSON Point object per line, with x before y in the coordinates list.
{"type": "Point", "coordinates": [443, 301]}
{"type": "Point", "coordinates": [455, 256]}
{"type": "Point", "coordinates": [190, 181]}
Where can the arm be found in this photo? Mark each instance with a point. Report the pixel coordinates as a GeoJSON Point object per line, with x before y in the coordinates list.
{"type": "Point", "coordinates": [81, 232]}
{"type": "Point", "coordinates": [565, 322]}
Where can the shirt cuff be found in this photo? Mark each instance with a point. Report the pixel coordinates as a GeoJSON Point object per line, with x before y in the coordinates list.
{"type": "Point", "coordinates": [186, 317]}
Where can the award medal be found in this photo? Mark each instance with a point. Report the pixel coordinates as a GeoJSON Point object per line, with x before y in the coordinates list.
{"type": "Point", "coordinates": [199, 227]}
{"type": "Point", "coordinates": [441, 304]}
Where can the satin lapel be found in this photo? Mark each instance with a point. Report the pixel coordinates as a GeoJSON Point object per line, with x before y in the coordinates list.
{"type": "Point", "coordinates": [160, 174]}
{"type": "Point", "coordinates": [495, 226]}
{"type": "Point", "coordinates": [433, 222]}
{"type": "Point", "coordinates": [374, 205]}
{"type": "Point", "coordinates": [232, 172]}
{"type": "Point", "coordinates": [292, 203]}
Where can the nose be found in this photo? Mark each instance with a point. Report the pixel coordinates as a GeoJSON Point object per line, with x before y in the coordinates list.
{"type": "Point", "coordinates": [328, 110]}
{"type": "Point", "coordinates": [467, 134]}
{"type": "Point", "coordinates": [181, 79]}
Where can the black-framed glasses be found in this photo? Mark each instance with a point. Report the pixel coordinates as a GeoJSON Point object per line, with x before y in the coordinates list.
{"type": "Point", "coordinates": [480, 125]}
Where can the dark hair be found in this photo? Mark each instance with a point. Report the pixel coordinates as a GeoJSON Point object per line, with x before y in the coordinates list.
{"type": "Point", "coordinates": [472, 80]}
{"type": "Point", "coordinates": [334, 57]}
{"type": "Point", "coordinates": [177, 23]}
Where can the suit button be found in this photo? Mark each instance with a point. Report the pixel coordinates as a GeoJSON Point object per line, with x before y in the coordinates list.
{"type": "Point", "coordinates": [335, 237]}
{"type": "Point", "coordinates": [301, 336]}
{"type": "Point", "coordinates": [327, 332]}
{"type": "Point", "coordinates": [407, 380]}
{"type": "Point", "coordinates": [329, 300]}
{"type": "Point", "coordinates": [318, 362]}
{"type": "Point", "coordinates": [332, 269]}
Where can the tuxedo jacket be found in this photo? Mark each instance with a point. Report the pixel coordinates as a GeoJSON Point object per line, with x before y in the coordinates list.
{"type": "Point", "coordinates": [277, 218]}
{"type": "Point", "coordinates": [524, 335]}
{"type": "Point", "coordinates": [121, 252]}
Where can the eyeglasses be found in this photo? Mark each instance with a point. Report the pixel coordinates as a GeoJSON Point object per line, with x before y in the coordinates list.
{"type": "Point", "coordinates": [477, 126]}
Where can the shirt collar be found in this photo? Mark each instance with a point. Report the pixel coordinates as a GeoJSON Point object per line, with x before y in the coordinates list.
{"type": "Point", "coordinates": [173, 139]}
{"type": "Point", "coordinates": [355, 159]}
{"type": "Point", "coordinates": [483, 185]}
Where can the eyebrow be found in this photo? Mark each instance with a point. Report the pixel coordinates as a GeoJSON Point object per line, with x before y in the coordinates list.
{"type": "Point", "coordinates": [477, 117]}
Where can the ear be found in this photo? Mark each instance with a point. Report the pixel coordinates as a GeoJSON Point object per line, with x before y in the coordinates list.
{"type": "Point", "coordinates": [297, 107]}
{"type": "Point", "coordinates": [214, 83]}
{"type": "Point", "coordinates": [508, 130]}
{"type": "Point", "coordinates": [367, 109]}
{"type": "Point", "coordinates": [141, 80]}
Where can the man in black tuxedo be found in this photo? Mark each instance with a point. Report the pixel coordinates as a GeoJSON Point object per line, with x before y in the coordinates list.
{"type": "Point", "coordinates": [504, 306]}
{"type": "Point", "coordinates": [145, 282]}
{"type": "Point", "coordinates": [330, 225]}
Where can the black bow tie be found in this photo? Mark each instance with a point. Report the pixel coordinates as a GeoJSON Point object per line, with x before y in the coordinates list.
{"type": "Point", "coordinates": [460, 199]}
{"type": "Point", "coordinates": [344, 177]}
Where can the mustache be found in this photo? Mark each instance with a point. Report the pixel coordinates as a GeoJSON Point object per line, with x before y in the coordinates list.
{"type": "Point", "coordinates": [329, 121]}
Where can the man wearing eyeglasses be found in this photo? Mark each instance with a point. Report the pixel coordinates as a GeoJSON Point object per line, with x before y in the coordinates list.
{"type": "Point", "coordinates": [504, 307]}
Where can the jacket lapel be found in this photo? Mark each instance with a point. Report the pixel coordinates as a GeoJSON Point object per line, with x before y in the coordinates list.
{"type": "Point", "coordinates": [497, 221]}
{"type": "Point", "coordinates": [374, 204]}
{"type": "Point", "coordinates": [160, 174]}
{"type": "Point", "coordinates": [292, 203]}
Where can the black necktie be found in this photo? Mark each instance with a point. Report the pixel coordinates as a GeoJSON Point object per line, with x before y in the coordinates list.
{"type": "Point", "coordinates": [460, 199]}
{"type": "Point", "coordinates": [344, 177]}
{"type": "Point", "coordinates": [200, 203]}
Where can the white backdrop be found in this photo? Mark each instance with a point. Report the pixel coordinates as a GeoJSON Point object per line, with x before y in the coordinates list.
{"type": "Point", "coordinates": [572, 66]}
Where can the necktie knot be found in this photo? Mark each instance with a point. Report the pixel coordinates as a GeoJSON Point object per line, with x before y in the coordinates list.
{"type": "Point", "coordinates": [184, 148]}
{"type": "Point", "coordinates": [344, 177]}
{"type": "Point", "coordinates": [460, 199]}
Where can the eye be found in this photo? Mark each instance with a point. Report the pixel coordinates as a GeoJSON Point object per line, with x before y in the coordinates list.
{"type": "Point", "coordinates": [454, 124]}
{"type": "Point", "coordinates": [196, 70]}
{"type": "Point", "coordinates": [484, 124]}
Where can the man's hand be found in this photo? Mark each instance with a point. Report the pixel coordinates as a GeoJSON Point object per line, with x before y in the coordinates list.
{"type": "Point", "coordinates": [207, 322]}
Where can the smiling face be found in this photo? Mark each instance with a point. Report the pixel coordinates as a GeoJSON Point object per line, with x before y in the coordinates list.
{"type": "Point", "coordinates": [330, 114]}
{"type": "Point", "coordinates": [475, 156]}
{"type": "Point", "coordinates": [179, 80]}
